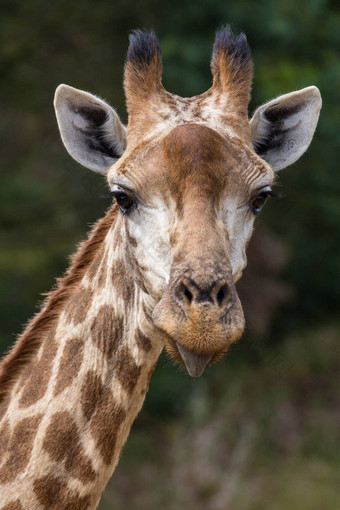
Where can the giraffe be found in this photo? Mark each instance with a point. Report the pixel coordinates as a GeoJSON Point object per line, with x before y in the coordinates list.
{"type": "Point", "coordinates": [188, 177]}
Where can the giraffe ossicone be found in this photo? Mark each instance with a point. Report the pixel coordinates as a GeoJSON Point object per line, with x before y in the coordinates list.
{"type": "Point", "coordinates": [159, 270]}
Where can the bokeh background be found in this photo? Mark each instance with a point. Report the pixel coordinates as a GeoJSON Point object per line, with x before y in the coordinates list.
{"type": "Point", "coordinates": [262, 428]}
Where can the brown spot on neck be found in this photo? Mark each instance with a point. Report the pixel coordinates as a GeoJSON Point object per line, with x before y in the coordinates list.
{"type": "Point", "coordinates": [107, 330]}
{"type": "Point", "coordinates": [91, 393]}
{"type": "Point", "coordinates": [79, 304]}
{"type": "Point", "coordinates": [105, 424]}
{"type": "Point", "coordinates": [37, 374]}
{"type": "Point", "coordinates": [20, 448]}
{"type": "Point", "coordinates": [126, 370]}
{"type": "Point", "coordinates": [63, 443]}
{"type": "Point", "coordinates": [69, 364]}
{"type": "Point", "coordinates": [53, 494]}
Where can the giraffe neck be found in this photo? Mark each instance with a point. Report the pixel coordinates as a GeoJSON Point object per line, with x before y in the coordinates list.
{"type": "Point", "coordinates": [71, 409]}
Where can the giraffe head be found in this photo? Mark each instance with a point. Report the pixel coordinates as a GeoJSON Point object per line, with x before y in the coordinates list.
{"type": "Point", "coordinates": [189, 175]}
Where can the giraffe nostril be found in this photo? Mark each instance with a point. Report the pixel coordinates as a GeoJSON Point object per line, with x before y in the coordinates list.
{"type": "Point", "coordinates": [191, 294]}
{"type": "Point", "coordinates": [222, 294]}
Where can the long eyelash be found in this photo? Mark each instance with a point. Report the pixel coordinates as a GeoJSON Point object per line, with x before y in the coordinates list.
{"type": "Point", "coordinates": [274, 194]}
{"type": "Point", "coordinates": [110, 194]}
{"type": "Point", "coordinates": [269, 193]}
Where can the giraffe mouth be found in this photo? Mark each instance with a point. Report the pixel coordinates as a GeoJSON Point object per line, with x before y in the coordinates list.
{"type": "Point", "coordinates": [197, 336]}
{"type": "Point", "coordinates": [194, 363]}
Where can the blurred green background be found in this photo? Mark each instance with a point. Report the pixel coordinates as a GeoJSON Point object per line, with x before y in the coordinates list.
{"type": "Point", "coordinates": [262, 428]}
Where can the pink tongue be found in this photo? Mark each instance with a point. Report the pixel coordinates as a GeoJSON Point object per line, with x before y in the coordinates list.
{"type": "Point", "coordinates": [194, 363]}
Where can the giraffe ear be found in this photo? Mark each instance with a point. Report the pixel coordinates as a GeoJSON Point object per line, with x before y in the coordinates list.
{"type": "Point", "coordinates": [90, 129]}
{"type": "Point", "coordinates": [283, 128]}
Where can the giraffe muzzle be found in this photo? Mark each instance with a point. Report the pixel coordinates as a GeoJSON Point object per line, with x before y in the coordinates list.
{"type": "Point", "coordinates": [199, 322]}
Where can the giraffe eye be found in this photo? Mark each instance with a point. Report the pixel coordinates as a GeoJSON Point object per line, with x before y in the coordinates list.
{"type": "Point", "coordinates": [259, 202]}
{"type": "Point", "coordinates": [124, 201]}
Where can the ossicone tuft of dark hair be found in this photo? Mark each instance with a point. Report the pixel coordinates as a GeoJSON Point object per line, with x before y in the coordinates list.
{"type": "Point", "coordinates": [143, 47]}
{"type": "Point", "coordinates": [235, 46]}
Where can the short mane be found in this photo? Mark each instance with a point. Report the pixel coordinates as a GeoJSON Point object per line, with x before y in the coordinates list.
{"type": "Point", "coordinates": [31, 339]}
